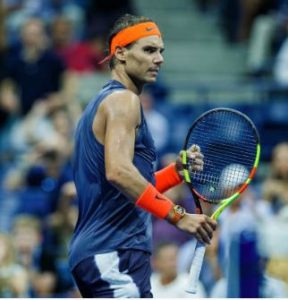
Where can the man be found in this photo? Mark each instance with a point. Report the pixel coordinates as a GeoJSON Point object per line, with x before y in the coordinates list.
{"type": "Point", "coordinates": [35, 70]}
{"type": "Point", "coordinates": [166, 280]}
{"type": "Point", "coordinates": [113, 172]}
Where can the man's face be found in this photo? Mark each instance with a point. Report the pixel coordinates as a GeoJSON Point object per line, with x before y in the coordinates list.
{"type": "Point", "coordinates": [166, 261]}
{"type": "Point", "coordinates": [144, 59]}
{"type": "Point", "coordinates": [26, 239]}
{"type": "Point", "coordinates": [33, 34]}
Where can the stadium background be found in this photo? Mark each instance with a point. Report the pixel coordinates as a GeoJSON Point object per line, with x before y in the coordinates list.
{"type": "Point", "coordinates": [230, 53]}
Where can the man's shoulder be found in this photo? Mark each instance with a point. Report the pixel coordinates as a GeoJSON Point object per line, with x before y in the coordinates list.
{"type": "Point", "coordinates": [123, 94]}
{"type": "Point", "coordinates": [124, 99]}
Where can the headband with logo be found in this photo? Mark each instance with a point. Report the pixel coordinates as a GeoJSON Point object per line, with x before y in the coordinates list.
{"type": "Point", "coordinates": [131, 34]}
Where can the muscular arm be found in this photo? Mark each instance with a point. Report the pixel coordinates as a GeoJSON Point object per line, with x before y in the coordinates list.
{"type": "Point", "coordinates": [121, 116]}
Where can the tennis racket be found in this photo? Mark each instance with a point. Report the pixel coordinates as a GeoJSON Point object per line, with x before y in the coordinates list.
{"type": "Point", "coordinates": [229, 141]}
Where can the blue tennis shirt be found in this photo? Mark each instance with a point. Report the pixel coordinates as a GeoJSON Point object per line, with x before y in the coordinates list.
{"type": "Point", "coordinates": [107, 220]}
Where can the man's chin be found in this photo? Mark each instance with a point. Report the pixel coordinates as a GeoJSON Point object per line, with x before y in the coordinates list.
{"type": "Point", "coordinates": [151, 79]}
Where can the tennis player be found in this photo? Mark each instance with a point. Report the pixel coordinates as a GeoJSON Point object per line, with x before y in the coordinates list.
{"type": "Point", "coordinates": [117, 188]}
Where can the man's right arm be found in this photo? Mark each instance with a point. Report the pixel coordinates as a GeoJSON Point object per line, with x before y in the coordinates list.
{"type": "Point", "coordinates": [121, 111]}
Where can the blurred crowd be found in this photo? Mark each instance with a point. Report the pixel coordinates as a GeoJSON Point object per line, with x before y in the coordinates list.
{"type": "Point", "coordinates": [261, 26]}
{"type": "Point", "coordinates": [45, 46]}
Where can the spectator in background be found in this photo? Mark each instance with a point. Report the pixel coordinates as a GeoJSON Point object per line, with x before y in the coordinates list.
{"type": "Point", "coordinates": [43, 144]}
{"type": "Point", "coordinates": [63, 220]}
{"type": "Point", "coordinates": [281, 64]}
{"type": "Point", "coordinates": [57, 165]}
{"type": "Point", "coordinates": [13, 277]}
{"type": "Point", "coordinates": [68, 9]}
{"type": "Point", "coordinates": [43, 125]}
{"type": "Point", "coordinates": [275, 192]}
{"type": "Point", "coordinates": [277, 265]}
{"type": "Point", "coordinates": [246, 211]}
{"type": "Point", "coordinates": [61, 226]}
{"type": "Point", "coordinates": [270, 288]}
{"type": "Point", "coordinates": [38, 261]}
{"type": "Point", "coordinates": [79, 56]}
{"type": "Point", "coordinates": [32, 199]}
{"type": "Point", "coordinates": [243, 215]}
{"type": "Point", "coordinates": [166, 282]}
{"type": "Point", "coordinates": [259, 52]}
{"type": "Point", "coordinates": [237, 17]}
{"type": "Point", "coordinates": [34, 69]}
{"type": "Point", "coordinates": [8, 101]}
{"type": "Point", "coordinates": [266, 52]}
{"type": "Point", "coordinates": [64, 120]}
{"type": "Point", "coordinates": [157, 123]}
{"type": "Point", "coordinates": [19, 11]}
{"type": "Point", "coordinates": [12, 183]}
{"type": "Point", "coordinates": [275, 187]}
{"type": "Point", "coordinates": [33, 129]}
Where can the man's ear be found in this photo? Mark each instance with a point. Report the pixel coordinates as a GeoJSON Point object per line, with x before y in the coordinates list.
{"type": "Point", "coordinates": [121, 53]}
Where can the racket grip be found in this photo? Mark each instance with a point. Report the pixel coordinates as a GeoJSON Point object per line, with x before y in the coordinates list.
{"type": "Point", "coordinates": [195, 268]}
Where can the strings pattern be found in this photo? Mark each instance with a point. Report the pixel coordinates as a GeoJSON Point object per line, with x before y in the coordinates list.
{"type": "Point", "coordinates": [228, 142]}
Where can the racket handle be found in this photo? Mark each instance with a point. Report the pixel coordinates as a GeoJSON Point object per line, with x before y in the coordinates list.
{"type": "Point", "coordinates": [195, 268]}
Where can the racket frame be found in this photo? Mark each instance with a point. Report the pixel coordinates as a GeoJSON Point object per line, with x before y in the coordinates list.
{"type": "Point", "coordinates": [199, 252]}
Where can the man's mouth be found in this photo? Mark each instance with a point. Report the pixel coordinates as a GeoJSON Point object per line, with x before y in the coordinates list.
{"type": "Point", "coordinates": [154, 70]}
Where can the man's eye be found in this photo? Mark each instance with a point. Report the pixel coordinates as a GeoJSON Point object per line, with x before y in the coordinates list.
{"type": "Point", "coordinates": [149, 50]}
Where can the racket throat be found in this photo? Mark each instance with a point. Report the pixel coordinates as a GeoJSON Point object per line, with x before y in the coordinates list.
{"type": "Point", "coordinates": [197, 197]}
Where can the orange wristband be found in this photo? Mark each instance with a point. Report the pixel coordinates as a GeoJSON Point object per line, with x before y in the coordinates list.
{"type": "Point", "coordinates": [154, 202]}
{"type": "Point", "coordinates": [167, 178]}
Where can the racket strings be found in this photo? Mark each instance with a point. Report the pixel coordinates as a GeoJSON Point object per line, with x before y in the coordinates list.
{"type": "Point", "coordinates": [228, 143]}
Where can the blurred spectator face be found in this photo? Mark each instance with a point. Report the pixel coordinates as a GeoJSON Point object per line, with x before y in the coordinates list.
{"type": "Point", "coordinates": [52, 159]}
{"type": "Point", "coordinates": [280, 161]}
{"type": "Point", "coordinates": [44, 284]}
{"type": "Point", "coordinates": [51, 154]}
{"type": "Point", "coordinates": [33, 34]}
{"type": "Point", "coordinates": [61, 123]}
{"type": "Point", "coordinates": [26, 239]}
{"type": "Point", "coordinates": [166, 260]}
{"type": "Point", "coordinates": [26, 234]}
{"type": "Point", "coordinates": [61, 31]}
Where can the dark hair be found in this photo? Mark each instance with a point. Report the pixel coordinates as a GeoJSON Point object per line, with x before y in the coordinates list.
{"type": "Point", "coordinates": [123, 22]}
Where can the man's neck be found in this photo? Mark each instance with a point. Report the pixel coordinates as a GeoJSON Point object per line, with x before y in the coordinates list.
{"type": "Point", "coordinates": [127, 81]}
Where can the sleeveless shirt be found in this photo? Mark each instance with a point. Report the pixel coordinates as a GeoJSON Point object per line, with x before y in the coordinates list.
{"type": "Point", "coordinates": [107, 219]}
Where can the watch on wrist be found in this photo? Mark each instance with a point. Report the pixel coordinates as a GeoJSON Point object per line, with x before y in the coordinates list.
{"type": "Point", "coordinates": [178, 212]}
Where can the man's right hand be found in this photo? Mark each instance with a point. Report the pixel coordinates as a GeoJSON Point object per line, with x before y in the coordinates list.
{"type": "Point", "coordinates": [199, 225]}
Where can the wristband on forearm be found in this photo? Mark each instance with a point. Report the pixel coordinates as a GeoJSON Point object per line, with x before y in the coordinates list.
{"type": "Point", "coordinates": [167, 178]}
{"type": "Point", "coordinates": [159, 205]}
